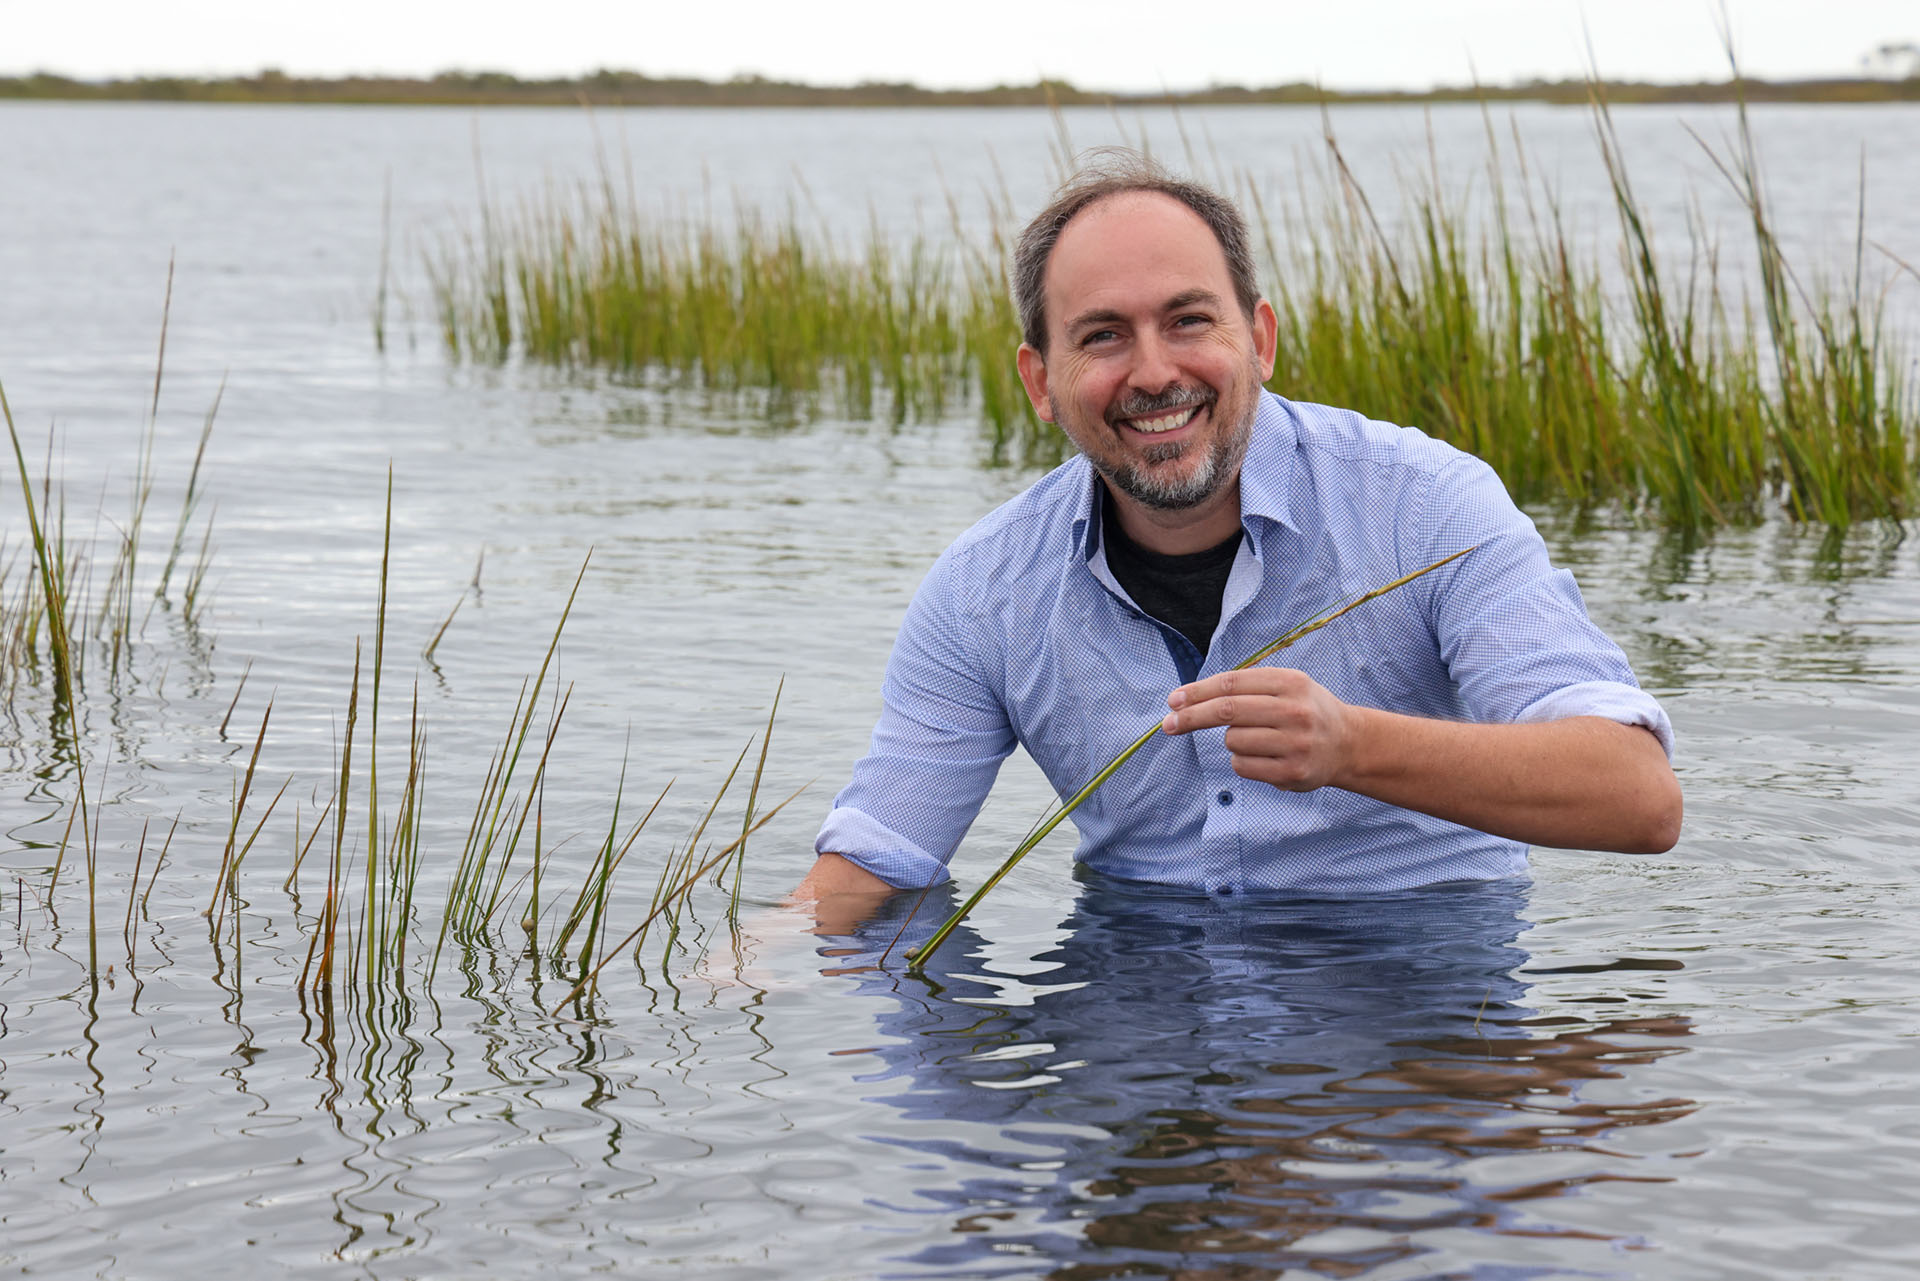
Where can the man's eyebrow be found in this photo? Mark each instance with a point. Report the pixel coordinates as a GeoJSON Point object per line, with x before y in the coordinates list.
{"type": "Point", "coordinates": [1194, 298]}
{"type": "Point", "coordinates": [1108, 316]}
{"type": "Point", "coordinates": [1098, 316]}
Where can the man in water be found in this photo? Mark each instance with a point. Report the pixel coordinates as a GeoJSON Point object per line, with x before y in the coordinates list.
{"type": "Point", "coordinates": [1429, 736]}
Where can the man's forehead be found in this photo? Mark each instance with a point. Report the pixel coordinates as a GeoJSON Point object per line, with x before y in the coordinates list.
{"type": "Point", "coordinates": [1134, 231]}
{"type": "Point", "coordinates": [1144, 209]}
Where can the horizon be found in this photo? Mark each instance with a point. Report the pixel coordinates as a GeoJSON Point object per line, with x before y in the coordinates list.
{"type": "Point", "coordinates": [1371, 46]}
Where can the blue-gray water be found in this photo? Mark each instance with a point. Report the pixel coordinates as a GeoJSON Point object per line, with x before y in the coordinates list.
{"type": "Point", "coordinates": [1696, 1065]}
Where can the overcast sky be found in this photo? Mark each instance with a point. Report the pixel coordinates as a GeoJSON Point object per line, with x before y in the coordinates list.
{"type": "Point", "coordinates": [1117, 44]}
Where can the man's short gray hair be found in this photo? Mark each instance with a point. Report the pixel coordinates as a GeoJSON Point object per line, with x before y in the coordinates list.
{"type": "Point", "coordinates": [1119, 171]}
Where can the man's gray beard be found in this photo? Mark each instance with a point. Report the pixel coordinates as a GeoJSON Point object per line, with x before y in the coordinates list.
{"type": "Point", "coordinates": [1221, 464]}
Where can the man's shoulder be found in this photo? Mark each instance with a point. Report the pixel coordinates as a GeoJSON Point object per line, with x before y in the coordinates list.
{"type": "Point", "coordinates": [1040, 519]}
{"type": "Point", "coordinates": [1330, 434]}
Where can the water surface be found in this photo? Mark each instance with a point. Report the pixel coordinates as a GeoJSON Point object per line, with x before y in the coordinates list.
{"type": "Point", "coordinates": [1694, 1065]}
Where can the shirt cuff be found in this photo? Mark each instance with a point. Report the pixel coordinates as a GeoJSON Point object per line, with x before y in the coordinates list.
{"type": "Point", "coordinates": [1609, 700]}
{"type": "Point", "coordinates": [867, 843]}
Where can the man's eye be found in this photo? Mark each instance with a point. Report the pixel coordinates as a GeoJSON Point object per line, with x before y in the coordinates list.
{"type": "Point", "coordinates": [1185, 321]}
{"type": "Point", "coordinates": [1099, 336]}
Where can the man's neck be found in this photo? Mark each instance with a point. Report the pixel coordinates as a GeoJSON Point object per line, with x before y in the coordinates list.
{"type": "Point", "coordinates": [1180, 533]}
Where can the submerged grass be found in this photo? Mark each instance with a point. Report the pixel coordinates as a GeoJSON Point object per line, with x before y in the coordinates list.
{"type": "Point", "coordinates": [1639, 384]}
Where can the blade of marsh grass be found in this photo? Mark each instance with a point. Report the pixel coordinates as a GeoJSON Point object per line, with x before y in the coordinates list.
{"type": "Point", "coordinates": [116, 610]}
{"type": "Point", "coordinates": [66, 835]}
{"type": "Point", "coordinates": [328, 924]}
{"type": "Point", "coordinates": [52, 598]}
{"type": "Point", "coordinates": [159, 862]}
{"type": "Point", "coordinates": [445, 623]}
{"type": "Point", "coordinates": [237, 690]}
{"type": "Point", "coordinates": [371, 906]}
{"type": "Point", "coordinates": [192, 499]}
{"type": "Point", "coordinates": [699, 831]}
{"type": "Point", "coordinates": [684, 887]}
{"type": "Point", "coordinates": [917, 956]}
{"type": "Point", "coordinates": [223, 879]}
{"type": "Point", "coordinates": [233, 872]}
{"type": "Point", "coordinates": [319, 826]}
{"type": "Point", "coordinates": [386, 240]}
{"type": "Point", "coordinates": [133, 890]}
{"type": "Point", "coordinates": [753, 795]}
{"type": "Point", "coordinates": [529, 809]}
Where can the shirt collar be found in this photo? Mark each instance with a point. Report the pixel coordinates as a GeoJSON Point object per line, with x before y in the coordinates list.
{"type": "Point", "coordinates": [1266, 477]}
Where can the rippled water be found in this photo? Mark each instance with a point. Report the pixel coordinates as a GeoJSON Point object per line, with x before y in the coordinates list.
{"type": "Point", "coordinates": [1696, 1065]}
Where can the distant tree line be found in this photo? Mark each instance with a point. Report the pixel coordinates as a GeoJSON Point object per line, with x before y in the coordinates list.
{"type": "Point", "coordinates": [612, 88]}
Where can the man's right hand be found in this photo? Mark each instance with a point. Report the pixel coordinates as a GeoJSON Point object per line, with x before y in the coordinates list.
{"type": "Point", "coordinates": [843, 894]}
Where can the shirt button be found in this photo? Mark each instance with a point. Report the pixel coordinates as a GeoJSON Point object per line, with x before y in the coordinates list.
{"type": "Point", "coordinates": [1226, 798]}
{"type": "Point", "coordinates": [1224, 889]}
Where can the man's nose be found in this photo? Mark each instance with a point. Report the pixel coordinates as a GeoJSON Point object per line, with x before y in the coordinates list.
{"type": "Point", "coordinates": [1153, 369]}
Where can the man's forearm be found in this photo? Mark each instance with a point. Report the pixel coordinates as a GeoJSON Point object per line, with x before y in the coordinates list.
{"type": "Point", "coordinates": [1581, 783]}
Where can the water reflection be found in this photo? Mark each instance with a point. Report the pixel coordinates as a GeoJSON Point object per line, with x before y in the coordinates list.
{"type": "Point", "coordinates": [1765, 609]}
{"type": "Point", "coordinates": [1232, 1088]}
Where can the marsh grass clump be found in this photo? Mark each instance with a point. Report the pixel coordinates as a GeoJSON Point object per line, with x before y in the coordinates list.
{"type": "Point", "coordinates": [1638, 387]}
{"type": "Point", "coordinates": [590, 282]}
{"type": "Point", "coordinates": [395, 897]}
{"type": "Point", "coordinates": [82, 605]}
{"type": "Point", "coordinates": [1614, 381]}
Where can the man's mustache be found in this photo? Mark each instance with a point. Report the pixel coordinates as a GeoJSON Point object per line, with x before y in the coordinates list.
{"type": "Point", "coordinates": [1142, 405]}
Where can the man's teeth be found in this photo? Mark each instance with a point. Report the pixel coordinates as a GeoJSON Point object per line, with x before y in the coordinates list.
{"type": "Point", "coordinates": [1166, 422]}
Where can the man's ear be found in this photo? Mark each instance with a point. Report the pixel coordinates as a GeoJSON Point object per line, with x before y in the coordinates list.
{"type": "Point", "coordinates": [1266, 337]}
{"type": "Point", "coordinates": [1033, 376]}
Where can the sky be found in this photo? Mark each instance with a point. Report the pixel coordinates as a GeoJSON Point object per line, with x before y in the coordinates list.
{"type": "Point", "coordinates": [1116, 45]}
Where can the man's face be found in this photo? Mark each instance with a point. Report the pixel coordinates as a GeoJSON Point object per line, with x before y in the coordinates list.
{"type": "Point", "coordinates": [1152, 370]}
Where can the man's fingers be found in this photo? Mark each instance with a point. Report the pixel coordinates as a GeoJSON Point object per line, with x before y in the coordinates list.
{"type": "Point", "coordinates": [1243, 740]}
{"type": "Point", "coordinates": [1224, 700]}
{"type": "Point", "coordinates": [1289, 774]}
{"type": "Point", "coordinates": [1214, 712]}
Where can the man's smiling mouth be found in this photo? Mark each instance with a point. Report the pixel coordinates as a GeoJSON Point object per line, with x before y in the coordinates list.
{"type": "Point", "coordinates": [1172, 420]}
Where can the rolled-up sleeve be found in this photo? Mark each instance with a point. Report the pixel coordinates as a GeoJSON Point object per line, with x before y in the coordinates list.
{"type": "Point", "coordinates": [1513, 630]}
{"type": "Point", "coordinates": [937, 748]}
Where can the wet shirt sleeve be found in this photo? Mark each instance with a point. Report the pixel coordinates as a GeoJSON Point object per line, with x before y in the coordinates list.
{"type": "Point", "coordinates": [942, 734]}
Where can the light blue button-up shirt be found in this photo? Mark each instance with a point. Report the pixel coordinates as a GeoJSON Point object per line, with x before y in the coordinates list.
{"type": "Point", "coordinates": [1021, 635]}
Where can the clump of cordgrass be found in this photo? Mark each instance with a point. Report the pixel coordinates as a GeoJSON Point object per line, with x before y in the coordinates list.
{"type": "Point", "coordinates": [81, 612]}
{"type": "Point", "coordinates": [590, 281]}
{"type": "Point", "coordinates": [1636, 386]}
{"type": "Point", "coordinates": [917, 957]}
{"type": "Point", "coordinates": [359, 942]}
{"type": "Point", "coordinates": [1673, 401]}
{"type": "Point", "coordinates": [502, 883]}
{"type": "Point", "coordinates": [57, 612]}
